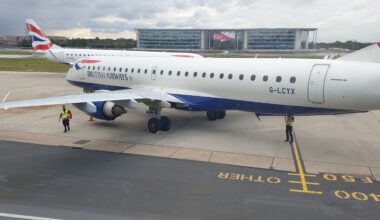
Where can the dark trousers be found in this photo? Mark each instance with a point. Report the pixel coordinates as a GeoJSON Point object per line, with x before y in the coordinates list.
{"type": "Point", "coordinates": [66, 124]}
{"type": "Point", "coordinates": [289, 133]}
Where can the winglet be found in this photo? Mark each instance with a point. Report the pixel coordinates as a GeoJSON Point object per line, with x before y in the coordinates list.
{"type": "Point", "coordinates": [367, 54]}
{"type": "Point", "coordinates": [6, 96]}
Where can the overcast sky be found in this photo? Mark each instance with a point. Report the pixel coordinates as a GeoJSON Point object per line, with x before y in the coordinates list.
{"type": "Point", "coordinates": [336, 19]}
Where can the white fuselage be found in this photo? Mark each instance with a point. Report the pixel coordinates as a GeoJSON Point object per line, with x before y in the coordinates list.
{"type": "Point", "coordinates": [258, 85]}
{"type": "Point", "coordinates": [63, 55]}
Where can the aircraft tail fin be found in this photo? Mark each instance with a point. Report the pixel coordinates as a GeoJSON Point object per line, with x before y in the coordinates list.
{"type": "Point", "coordinates": [40, 41]}
{"type": "Point", "coordinates": [367, 54]}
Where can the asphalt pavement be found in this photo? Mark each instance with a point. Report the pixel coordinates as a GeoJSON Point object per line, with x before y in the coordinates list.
{"type": "Point", "coordinates": [65, 183]}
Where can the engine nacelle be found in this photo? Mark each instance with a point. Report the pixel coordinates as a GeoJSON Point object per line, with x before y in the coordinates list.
{"type": "Point", "coordinates": [102, 110]}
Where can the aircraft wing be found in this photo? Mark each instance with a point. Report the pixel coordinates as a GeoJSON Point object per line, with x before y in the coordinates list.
{"type": "Point", "coordinates": [138, 95]}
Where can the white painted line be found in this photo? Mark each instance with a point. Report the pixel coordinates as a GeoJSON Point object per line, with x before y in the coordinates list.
{"type": "Point", "coordinates": [8, 215]}
{"type": "Point", "coordinates": [5, 98]}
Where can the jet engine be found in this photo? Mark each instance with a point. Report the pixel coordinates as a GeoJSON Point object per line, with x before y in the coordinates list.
{"type": "Point", "coordinates": [102, 110]}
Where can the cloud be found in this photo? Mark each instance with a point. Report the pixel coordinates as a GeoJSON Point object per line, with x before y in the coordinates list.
{"type": "Point", "coordinates": [336, 19]}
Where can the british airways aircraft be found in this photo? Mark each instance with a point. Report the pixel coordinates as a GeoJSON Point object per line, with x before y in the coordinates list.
{"type": "Point", "coordinates": [43, 47]}
{"type": "Point", "coordinates": [262, 86]}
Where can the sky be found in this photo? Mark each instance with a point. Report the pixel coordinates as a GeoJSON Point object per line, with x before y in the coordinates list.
{"type": "Point", "coordinates": [336, 19]}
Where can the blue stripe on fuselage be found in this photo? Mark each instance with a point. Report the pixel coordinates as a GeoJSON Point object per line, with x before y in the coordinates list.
{"type": "Point", "coordinates": [201, 103]}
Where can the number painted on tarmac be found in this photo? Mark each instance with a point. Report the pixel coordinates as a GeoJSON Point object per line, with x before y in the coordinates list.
{"type": "Point", "coordinates": [358, 196]}
{"type": "Point", "coordinates": [329, 177]}
{"type": "Point", "coordinates": [342, 194]}
{"type": "Point", "coordinates": [347, 178]}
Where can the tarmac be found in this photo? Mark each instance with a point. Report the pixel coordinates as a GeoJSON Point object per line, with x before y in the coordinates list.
{"type": "Point", "coordinates": [329, 152]}
{"type": "Point", "coordinates": [49, 183]}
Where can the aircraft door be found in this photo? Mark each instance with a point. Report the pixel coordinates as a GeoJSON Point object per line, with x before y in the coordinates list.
{"type": "Point", "coordinates": [154, 73]}
{"type": "Point", "coordinates": [316, 85]}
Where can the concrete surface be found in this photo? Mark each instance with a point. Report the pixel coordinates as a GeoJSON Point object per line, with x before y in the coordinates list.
{"type": "Point", "coordinates": [339, 144]}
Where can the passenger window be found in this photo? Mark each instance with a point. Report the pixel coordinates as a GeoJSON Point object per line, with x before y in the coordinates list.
{"type": "Point", "coordinates": [253, 77]}
{"type": "Point", "coordinates": [154, 71]}
{"type": "Point", "coordinates": [146, 71]}
{"type": "Point", "coordinates": [230, 76]}
{"type": "Point", "coordinates": [211, 75]}
{"type": "Point", "coordinates": [265, 78]}
{"type": "Point", "coordinates": [186, 73]}
{"type": "Point", "coordinates": [93, 68]}
{"type": "Point", "coordinates": [126, 70]}
{"type": "Point", "coordinates": [121, 69]}
{"type": "Point", "coordinates": [292, 79]}
{"type": "Point", "coordinates": [138, 70]}
{"type": "Point", "coordinates": [221, 76]}
{"type": "Point", "coordinates": [203, 75]}
{"type": "Point", "coordinates": [162, 72]}
{"type": "Point", "coordinates": [195, 74]}
{"type": "Point", "coordinates": [132, 70]}
{"type": "Point", "coordinates": [170, 73]}
{"type": "Point", "coordinates": [114, 69]}
{"type": "Point", "coordinates": [109, 68]}
{"type": "Point", "coordinates": [278, 79]}
{"type": "Point", "coordinates": [241, 76]}
{"type": "Point", "coordinates": [98, 68]}
{"type": "Point", "coordinates": [88, 67]}
{"type": "Point", "coordinates": [104, 68]}
{"type": "Point", "coordinates": [178, 73]}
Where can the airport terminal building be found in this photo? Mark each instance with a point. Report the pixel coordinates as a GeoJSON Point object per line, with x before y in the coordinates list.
{"type": "Point", "coordinates": [227, 39]}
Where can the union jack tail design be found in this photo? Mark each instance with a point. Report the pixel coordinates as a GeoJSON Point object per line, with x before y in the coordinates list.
{"type": "Point", "coordinates": [40, 41]}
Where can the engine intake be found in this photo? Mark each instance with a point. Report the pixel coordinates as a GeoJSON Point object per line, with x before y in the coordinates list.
{"type": "Point", "coordinates": [112, 111]}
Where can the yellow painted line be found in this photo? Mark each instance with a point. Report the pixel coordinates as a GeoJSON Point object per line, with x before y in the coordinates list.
{"type": "Point", "coordinates": [297, 174]}
{"type": "Point", "coordinates": [300, 168]}
{"type": "Point", "coordinates": [306, 191]}
{"type": "Point", "coordinates": [301, 174]}
{"type": "Point", "coordinates": [308, 183]}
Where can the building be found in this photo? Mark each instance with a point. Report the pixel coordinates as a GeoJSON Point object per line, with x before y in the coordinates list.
{"type": "Point", "coordinates": [12, 41]}
{"type": "Point", "coordinates": [227, 39]}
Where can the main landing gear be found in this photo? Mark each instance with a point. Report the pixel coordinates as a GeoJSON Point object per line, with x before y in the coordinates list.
{"type": "Point", "coordinates": [157, 122]}
{"type": "Point", "coordinates": [215, 115]}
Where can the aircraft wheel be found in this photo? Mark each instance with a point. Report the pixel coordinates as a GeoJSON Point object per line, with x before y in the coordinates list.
{"type": "Point", "coordinates": [212, 115]}
{"type": "Point", "coordinates": [221, 114]}
{"type": "Point", "coordinates": [165, 123]}
{"type": "Point", "coordinates": [153, 125]}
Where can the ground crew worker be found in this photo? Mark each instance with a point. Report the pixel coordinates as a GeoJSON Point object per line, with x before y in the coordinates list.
{"type": "Point", "coordinates": [65, 116]}
{"type": "Point", "coordinates": [289, 119]}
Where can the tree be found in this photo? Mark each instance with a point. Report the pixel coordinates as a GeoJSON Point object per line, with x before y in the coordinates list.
{"type": "Point", "coordinates": [25, 43]}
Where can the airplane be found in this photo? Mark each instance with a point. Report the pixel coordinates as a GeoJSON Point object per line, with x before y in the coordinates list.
{"type": "Point", "coordinates": [44, 48]}
{"type": "Point", "coordinates": [215, 85]}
